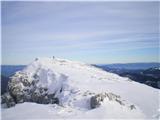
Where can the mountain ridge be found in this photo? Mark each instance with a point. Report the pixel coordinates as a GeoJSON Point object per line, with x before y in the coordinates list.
{"type": "Point", "coordinates": [73, 84]}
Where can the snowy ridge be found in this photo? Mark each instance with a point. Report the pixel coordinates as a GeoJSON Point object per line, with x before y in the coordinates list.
{"type": "Point", "coordinates": [74, 83]}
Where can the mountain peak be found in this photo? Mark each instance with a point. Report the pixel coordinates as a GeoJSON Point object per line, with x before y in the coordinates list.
{"type": "Point", "coordinates": [77, 86]}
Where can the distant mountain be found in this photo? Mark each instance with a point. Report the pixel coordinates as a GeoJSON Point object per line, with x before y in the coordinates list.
{"type": "Point", "coordinates": [150, 76]}
{"type": "Point", "coordinates": [131, 66]}
{"type": "Point", "coordinates": [9, 70]}
{"type": "Point", "coordinates": [4, 83]}
{"type": "Point", "coordinates": [155, 72]}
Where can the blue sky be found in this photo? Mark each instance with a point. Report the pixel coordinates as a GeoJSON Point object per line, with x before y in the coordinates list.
{"type": "Point", "coordinates": [92, 32]}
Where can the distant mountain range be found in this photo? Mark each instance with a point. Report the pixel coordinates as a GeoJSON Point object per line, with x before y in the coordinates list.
{"type": "Point", "coordinates": [131, 66]}
{"type": "Point", "coordinates": [148, 74]}
{"type": "Point", "coordinates": [9, 70]}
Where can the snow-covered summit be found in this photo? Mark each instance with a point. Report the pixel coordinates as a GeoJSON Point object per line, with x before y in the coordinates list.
{"type": "Point", "coordinates": [76, 87]}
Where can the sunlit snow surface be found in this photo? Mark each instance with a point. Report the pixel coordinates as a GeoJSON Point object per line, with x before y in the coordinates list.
{"type": "Point", "coordinates": [79, 82]}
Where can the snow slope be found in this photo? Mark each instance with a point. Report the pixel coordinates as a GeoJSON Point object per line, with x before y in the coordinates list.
{"type": "Point", "coordinates": [74, 83]}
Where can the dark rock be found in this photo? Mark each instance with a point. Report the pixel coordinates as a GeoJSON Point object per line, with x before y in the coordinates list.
{"type": "Point", "coordinates": [8, 99]}
{"type": "Point", "coordinates": [55, 100]}
{"type": "Point", "coordinates": [36, 59]}
{"type": "Point", "coordinates": [20, 90]}
{"type": "Point", "coordinates": [132, 107]}
{"type": "Point", "coordinates": [96, 100]}
{"type": "Point", "coordinates": [35, 76]}
{"type": "Point", "coordinates": [16, 90]}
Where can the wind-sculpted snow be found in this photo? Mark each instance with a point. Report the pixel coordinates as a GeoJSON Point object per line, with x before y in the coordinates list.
{"type": "Point", "coordinates": [76, 90]}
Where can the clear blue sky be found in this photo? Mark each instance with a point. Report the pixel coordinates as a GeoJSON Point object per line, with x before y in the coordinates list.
{"type": "Point", "coordinates": [92, 32]}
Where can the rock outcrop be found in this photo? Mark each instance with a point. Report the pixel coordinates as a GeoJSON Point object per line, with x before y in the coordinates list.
{"type": "Point", "coordinates": [20, 90]}
{"type": "Point", "coordinates": [8, 99]}
{"type": "Point", "coordinates": [98, 99]}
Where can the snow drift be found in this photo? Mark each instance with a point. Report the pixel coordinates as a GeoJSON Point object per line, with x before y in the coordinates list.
{"type": "Point", "coordinates": [76, 90]}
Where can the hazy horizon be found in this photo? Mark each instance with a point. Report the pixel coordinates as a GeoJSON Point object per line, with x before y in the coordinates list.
{"type": "Point", "coordinates": [91, 32]}
{"type": "Point", "coordinates": [91, 63]}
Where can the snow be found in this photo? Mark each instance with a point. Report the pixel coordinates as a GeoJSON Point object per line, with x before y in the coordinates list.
{"type": "Point", "coordinates": [39, 111]}
{"type": "Point", "coordinates": [80, 81]}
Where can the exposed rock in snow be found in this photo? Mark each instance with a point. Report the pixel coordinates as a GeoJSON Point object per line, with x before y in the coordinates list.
{"type": "Point", "coordinates": [76, 88]}
{"type": "Point", "coordinates": [23, 89]}
{"type": "Point", "coordinates": [97, 100]}
{"type": "Point", "coordinates": [8, 99]}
